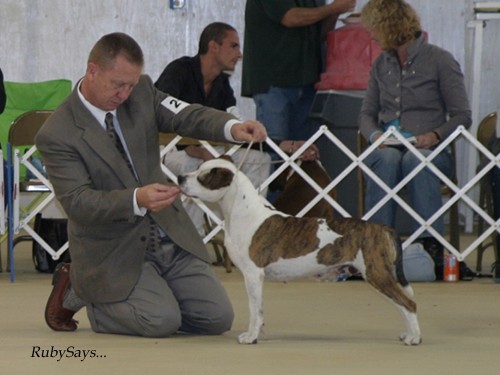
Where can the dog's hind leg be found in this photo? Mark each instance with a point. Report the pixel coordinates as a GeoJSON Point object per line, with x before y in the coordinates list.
{"type": "Point", "coordinates": [384, 271]}
{"type": "Point", "coordinates": [400, 298]}
{"type": "Point", "coordinates": [254, 280]}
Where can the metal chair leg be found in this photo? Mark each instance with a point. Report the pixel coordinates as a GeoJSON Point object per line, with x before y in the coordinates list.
{"type": "Point", "coordinates": [16, 241]}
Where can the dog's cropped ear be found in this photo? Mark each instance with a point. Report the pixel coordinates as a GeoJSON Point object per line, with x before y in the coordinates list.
{"type": "Point", "coordinates": [226, 157]}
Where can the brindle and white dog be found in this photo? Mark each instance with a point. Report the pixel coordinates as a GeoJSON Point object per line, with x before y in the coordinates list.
{"type": "Point", "coordinates": [265, 243]}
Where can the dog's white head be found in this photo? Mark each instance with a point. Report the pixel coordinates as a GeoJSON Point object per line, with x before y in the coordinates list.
{"type": "Point", "coordinates": [210, 181]}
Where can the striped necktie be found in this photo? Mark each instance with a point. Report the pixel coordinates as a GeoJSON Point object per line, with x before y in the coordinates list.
{"type": "Point", "coordinates": [154, 235]}
{"type": "Point", "coordinates": [110, 129]}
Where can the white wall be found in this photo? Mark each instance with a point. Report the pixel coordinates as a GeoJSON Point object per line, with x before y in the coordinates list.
{"type": "Point", "coordinates": [48, 39]}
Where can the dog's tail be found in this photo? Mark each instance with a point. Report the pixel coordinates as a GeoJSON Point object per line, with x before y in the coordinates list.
{"type": "Point", "coordinates": [398, 248]}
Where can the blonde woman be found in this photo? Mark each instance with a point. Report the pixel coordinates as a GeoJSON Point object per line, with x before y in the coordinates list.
{"type": "Point", "coordinates": [418, 88]}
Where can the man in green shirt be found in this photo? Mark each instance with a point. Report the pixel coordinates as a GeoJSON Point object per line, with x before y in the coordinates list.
{"type": "Point", "coordinates": [282, 60]}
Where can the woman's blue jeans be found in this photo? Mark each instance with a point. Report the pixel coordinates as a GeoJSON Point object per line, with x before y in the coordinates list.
{"type": "Point", "coordinates": [391, 165]}
{"type": "Point", "coordinates": [284, 111]}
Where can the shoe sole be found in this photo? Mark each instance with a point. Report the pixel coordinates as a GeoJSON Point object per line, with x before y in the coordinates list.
{"type": "Point", "coordinates": [55, 279]}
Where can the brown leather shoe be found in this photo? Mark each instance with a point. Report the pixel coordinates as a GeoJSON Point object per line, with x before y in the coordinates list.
{"type": "Point", "coordinates": [57, 317]}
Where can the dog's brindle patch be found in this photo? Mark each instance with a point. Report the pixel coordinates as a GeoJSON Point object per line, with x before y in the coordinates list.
{"type": "Point", "coordinates": [376, 242]}
{"type": "Point", "coordinates": [356, 235]}
{"type": "Point", "coordinates": [272, 242]}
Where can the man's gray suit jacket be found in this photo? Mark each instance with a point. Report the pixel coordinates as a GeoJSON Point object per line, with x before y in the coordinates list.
{"type": "Point", "coordinates": [95, 186]}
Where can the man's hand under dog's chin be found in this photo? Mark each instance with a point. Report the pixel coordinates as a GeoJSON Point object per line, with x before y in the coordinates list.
{"type": "Point", "coordinates": [249, 131]}
{"type": "Point", "coordinates": [155, 197]}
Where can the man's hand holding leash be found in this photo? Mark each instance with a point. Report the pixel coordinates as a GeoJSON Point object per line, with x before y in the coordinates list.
{"type": "Point", "coordinates": [249, 131]}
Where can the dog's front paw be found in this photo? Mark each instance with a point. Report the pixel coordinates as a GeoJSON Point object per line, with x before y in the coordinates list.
{"type": "Point", "coordinates": [247, 338]}
{"type": "Point", "coordinates": [410, 339]}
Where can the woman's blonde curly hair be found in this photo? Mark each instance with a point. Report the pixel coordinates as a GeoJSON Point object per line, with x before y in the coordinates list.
{"type": "Point", "coordinates": [395, 22]}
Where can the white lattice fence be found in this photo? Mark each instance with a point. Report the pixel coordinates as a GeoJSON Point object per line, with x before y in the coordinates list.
{"type": "Point", "coordinates": [461, 194]}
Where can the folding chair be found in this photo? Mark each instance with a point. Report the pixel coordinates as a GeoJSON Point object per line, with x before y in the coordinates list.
{"type": "Point", "coordinates": [23, 97]}
{"type": "Point", "coordinates": [27, 96]}
{"type": "Point", "coordinates": [21, 141]}
{"type": "Point", "coordinates": [485, 133]}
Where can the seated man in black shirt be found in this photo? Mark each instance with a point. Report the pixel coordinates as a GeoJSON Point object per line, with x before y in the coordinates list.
{"type": "Point", "coordinates": [202, 79]}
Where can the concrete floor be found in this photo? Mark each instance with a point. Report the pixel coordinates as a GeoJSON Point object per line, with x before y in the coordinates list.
{"type": "Point", "coordinates": [311, 328]}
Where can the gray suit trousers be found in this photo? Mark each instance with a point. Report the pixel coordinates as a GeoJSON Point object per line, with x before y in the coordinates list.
{"type": "Point", "coordinates": [175, 292]}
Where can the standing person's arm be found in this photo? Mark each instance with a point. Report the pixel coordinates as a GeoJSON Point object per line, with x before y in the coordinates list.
{"type": "Point", "coordinates": [299, 16]}
{"type": "Point", "coordinates": [3, 96]}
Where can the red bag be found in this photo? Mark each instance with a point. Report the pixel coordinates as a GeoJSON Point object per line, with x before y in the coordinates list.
{"type": "Point", "coordinates": [349, 58]}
